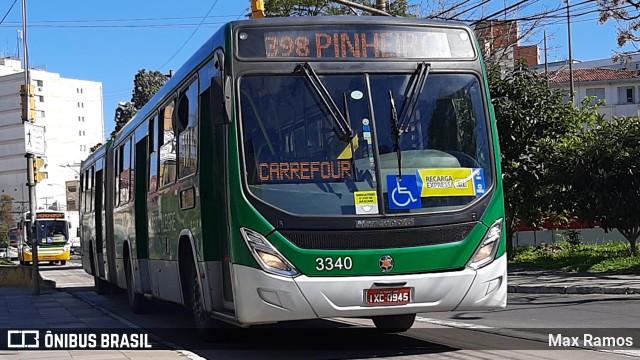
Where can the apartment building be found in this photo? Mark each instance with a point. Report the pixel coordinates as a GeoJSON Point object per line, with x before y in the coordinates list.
{"type": "Point", "coordinates": [71, 112]}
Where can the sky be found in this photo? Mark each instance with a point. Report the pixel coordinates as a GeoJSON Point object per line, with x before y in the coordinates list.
{"type": "Point", "coordinates": [109, 41]}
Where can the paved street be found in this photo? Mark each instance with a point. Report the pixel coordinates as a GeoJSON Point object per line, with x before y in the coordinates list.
{"type": "Point", "coordinates": [520, 330]}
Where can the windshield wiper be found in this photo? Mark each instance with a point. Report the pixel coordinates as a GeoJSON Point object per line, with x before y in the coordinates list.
{"type": "Point", "coordinates": [396, 133]}
{"type": "Point", "coordinates": [413, 94]}
{"type": "Point", "coordinates": [345, 132]}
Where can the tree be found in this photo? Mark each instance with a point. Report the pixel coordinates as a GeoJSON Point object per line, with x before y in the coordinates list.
{"type": "Point", "coordinates": [6, 210]}
{"type": "Point", "coordinates": [528, 115]}
{"type": "Point", "coordinates": [600, 170]}
{"type": "Point", "coordinates": [625, 13]}
{"type": "Point", "coordinates": [145, 85]}
{"type": "Point", "coordinates": [285, 8]}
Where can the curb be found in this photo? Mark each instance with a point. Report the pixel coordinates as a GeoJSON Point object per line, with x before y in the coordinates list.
{"type": "Point", "coordinates": [21, 276]}
{"type": "Point", "coordinates": [528, 289]}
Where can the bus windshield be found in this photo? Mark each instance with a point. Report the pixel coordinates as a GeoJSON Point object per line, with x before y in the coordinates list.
{"type": "Point", "coordinates": [297, 160]}
{"type": "Point", "coordinates": [50, 232]}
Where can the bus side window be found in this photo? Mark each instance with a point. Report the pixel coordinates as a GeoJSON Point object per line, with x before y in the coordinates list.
{"type": "Point", "coordinates": [117, 166]}
{"type": "Point", "coordinates": [83, 209]}
{"type": "Point", "coordinates": [153, 154]}
{"type": "Point", "coordinates": [125, 172]}
{"type": "Point", "coordinates": [187, 129]}
{"type": "Point", "coordinates": [91, 193]}
{"type": "Point", "coordinates": [168, 148]}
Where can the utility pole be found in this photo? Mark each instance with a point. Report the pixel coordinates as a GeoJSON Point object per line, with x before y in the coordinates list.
{"type": "Point", "coordinates": [31, 184]}
{"type": "Point", "coordinates": [572, 95]}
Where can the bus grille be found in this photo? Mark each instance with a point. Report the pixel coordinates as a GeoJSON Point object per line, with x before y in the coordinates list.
{"type": "Point", "coordinates": [379, 239]}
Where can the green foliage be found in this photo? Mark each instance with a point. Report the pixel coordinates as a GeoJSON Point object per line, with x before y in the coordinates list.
{"type": "Point", "coordinates": [607, 257]}
{"type": "Point", "coordinates": [145, 85]}
{"type": "Point", "coordinates": [286, 8]}
{"type": "Point", "coordinates": [529, 116]}
{"type": "Point", "coordinates": [600, 170]}
{"type": "Point", "coordinates": [124, 113]}
{"type": "Point", "coordinates": [6, 210]}
{"type": "Point", "coordinates": [4, 234]}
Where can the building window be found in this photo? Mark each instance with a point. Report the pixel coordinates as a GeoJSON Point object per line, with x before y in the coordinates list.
{"type": "Point", "coordinates": [79, 90]}
{"type": "Point", "coordinates": [40, 98]}
{"type": "Point", "coordinates": [39, 83]}
{"type": "Point", "coordinates": [626, 95]}
{"type": "Point", "coordinates": [598, 93]}
{"type": "Point", "coordinates": [80, 104]}
{"type": "Point", "coordinates": [40, 114]}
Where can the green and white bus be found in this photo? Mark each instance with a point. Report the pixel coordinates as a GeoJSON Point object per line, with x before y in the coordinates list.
{"type": "Point", "coordinates": [303, 168]}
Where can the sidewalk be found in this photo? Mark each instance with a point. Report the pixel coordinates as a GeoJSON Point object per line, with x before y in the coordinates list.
{"type": "Point", "coordinates": [558, 282]}
{"type": "Point", "coordinates": [53, 309]}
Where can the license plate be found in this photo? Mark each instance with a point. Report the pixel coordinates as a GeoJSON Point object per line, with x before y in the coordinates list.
{"type": "Point", "coordinates": [394, 296]}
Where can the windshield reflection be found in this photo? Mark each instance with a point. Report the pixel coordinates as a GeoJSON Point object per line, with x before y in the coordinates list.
{"type": "Point", "coordinates": [296, 160]}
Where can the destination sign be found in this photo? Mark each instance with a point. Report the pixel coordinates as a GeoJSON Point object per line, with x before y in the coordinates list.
{"type": "Point", "coordinates": [49, 215]}
{"type": "Point", "coordinates": [305, 171]}
{"type": "Point", "coordinates": [370, 42]}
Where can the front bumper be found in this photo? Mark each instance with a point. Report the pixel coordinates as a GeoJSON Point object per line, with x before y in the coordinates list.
{"type": "Point", "coordinates": [263, 298]}
{"type": "Point", "coordinates": [48, 255]}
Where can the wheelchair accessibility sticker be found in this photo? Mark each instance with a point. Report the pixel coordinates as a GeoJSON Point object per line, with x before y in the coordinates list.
{"type": "Point", "coordinates": [403, 194]}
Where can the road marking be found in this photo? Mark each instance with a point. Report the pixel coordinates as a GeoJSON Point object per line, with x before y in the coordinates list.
{"type": "Point", "coordinates": [129, 324]}
{"type": "Point", "coordinates": [525, 335]}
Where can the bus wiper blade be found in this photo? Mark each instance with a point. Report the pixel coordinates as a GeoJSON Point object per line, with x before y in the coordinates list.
{"type": "Point", "coordinates": [396, 132]}
{"type": "Point", "coordinates": [413, 94]}
{"type": "Point", "coordinates": [343, 127]}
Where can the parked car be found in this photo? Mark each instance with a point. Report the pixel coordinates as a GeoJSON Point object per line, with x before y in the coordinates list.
{"type": "Point", "coordinates": [75, 246]}
{"type": "Point", "coordinates": [12, 253]}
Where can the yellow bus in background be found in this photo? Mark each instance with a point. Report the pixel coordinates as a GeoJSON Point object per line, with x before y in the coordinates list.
{"type": "Point", "coordinates": [52, 234]}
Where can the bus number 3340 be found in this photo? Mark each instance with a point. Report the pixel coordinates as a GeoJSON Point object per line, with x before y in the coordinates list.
{"type": "Point", "coordinates": [328, 264]}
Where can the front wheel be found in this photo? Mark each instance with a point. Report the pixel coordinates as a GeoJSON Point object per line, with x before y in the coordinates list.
{"type": "Point", "coordinates": [394, 323]}
{"type": "Point", "coordinates": [201, 318]}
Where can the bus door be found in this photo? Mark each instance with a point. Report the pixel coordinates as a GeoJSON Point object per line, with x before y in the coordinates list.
{"type": "Point", "coordinates": [214, 175]}
{"type": "Point", "coordinates": [99, 220]}
{"type": "Point", "coordinates": [141, 185]}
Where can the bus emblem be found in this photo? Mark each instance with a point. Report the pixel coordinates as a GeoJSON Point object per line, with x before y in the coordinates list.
{"type": "Point", "coordinates": [386, 263]}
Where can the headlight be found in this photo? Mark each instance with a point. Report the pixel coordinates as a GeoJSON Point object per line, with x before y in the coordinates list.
{"type": "Point", "coordinates": [266, 255]}
{"type": "Point", "coordinates": [486, 252]}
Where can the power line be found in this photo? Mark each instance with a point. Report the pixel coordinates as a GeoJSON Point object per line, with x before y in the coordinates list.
{"type": "Point", "coordinates": [8, 11]}
{"type": "Point", "coordinates": [190, 36]}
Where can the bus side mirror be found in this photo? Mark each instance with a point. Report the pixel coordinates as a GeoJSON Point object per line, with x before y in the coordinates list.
{"type": "Point", "coordinates": [220, 100]}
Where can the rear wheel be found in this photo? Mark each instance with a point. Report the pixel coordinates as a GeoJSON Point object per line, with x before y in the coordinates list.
{"type": "Point", "coordinates": [63, 262]}
{"type": "Point", "coordinates": [137, 301]}
{"type": "Point", "coordinates": [100, 286]}
{"type": "Point", "coordinates": [394, 323]}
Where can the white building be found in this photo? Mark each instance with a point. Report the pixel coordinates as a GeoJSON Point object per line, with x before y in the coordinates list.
{"type": "Point", "coordinates": [71, 112]}
{"type": "Point", "coordinates": [618, 88]}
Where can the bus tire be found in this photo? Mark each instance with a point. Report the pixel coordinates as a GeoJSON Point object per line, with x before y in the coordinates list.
{"type": "Point", "coordinates": [101, 287]}
{"type": "Point", "coordinates": [394, 323]}
{"type": "Point", "coordinates": [201, 318]}
{"type": "Point", "coordinates": [63, 262]}
{"type": "Point", "coordinates": [137, 301]}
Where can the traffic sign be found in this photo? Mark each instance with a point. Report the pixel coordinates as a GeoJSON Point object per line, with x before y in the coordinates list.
{"type": "Point", "coordinates": [34, 141]}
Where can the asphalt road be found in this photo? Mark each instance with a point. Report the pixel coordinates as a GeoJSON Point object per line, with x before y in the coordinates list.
{"type": "Point", "coordinates": [521, 331]}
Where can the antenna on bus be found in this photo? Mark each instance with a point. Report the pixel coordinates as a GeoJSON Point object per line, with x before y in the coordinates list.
{"type": "Point", "coordinates": [257, 9]}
